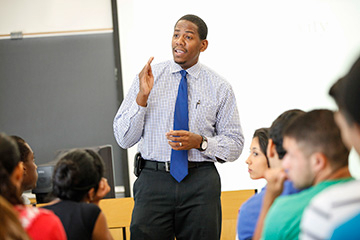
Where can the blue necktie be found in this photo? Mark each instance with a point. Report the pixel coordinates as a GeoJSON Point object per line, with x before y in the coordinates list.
{"type": "Point", "coordinates": [179, 158]}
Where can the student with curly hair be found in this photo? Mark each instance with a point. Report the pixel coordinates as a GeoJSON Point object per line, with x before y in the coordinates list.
{"type": "Point", "coordinates": [79, 185]}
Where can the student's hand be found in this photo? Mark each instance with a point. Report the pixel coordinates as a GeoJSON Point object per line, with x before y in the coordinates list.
{"type": "Point", "coordinates": [183, 140]}
{"type": "Point", "coordinates": [146, 83]}
{"type": "Point", "coordinates": [275, 181]}
{"type": "Point", "coordinates": [103, 189]}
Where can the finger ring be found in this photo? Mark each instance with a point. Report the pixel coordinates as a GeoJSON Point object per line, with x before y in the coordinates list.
{"type": "Point", "coordinates": [180, 144]}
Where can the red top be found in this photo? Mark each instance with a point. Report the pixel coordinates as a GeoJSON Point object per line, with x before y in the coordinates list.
{"type": "Point", "coordinates": [40, 223]}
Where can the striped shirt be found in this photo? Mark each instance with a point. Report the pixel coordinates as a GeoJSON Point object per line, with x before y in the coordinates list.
{"type": "Point", "coordinates": [212, 113]}
{"type": "Point", "coordinates": [329, 209]}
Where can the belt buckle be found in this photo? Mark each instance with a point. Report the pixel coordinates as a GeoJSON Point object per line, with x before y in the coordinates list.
{"type": "Point", "coordinates": [167, 166]}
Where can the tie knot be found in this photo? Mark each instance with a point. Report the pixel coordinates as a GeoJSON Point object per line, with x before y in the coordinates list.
{"type": "Point", "coordinates": [183, 73]}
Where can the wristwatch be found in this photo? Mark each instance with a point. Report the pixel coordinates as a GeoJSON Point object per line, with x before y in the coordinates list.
{"type": "Point", "coordinates": [204, 144]}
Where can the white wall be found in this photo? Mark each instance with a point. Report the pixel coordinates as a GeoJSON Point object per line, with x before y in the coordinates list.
{"type": "Point", "coordinates": [39, 16]}
{"type": "Point", "coordinates": [276, 54]}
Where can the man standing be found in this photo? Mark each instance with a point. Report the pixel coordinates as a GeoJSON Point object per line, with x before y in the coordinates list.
{"type": "Point", "coordinates": [178, 191]}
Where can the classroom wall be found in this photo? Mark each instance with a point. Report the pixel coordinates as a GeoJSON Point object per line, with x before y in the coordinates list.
{"type": "Point", "coordinates": [276, 54]}
{"type": "Point", "coordinates": [39, 16]}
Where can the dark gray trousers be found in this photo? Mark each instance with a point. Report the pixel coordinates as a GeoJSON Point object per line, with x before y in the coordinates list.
{"type": "Point", "coordinates": [189, 210]}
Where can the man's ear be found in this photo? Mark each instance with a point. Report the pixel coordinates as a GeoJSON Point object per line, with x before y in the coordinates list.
{"type": "Point", "coordinates": [318, 162]}
{"type": "Point", "coordinates": [204, 45]}
{"type": "Point", "coordinates": [270, 151]}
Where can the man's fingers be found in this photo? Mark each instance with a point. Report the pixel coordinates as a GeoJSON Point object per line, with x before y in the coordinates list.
{"type": "Point", "coordinates": [177, 145]}
{"type": "Point", "coordinates": [178, 133]}
{"type": "Point", "coordinates": [147, 67]}
{"type": "Point", "coordinates": [150, 60]}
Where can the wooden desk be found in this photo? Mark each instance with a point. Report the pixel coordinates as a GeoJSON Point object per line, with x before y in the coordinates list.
{"type": "Point", "coordinates": [118, 216]}
{"type": "Point", "coordinates": [230, 204]}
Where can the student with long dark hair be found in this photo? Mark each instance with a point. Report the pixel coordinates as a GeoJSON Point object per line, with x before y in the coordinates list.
{"type": "Point", "coordinates": [257, 164]}
{"type": "Point", "coordinates": [38, 223]}
{"type": "Point", "coordinates": [30, 173]}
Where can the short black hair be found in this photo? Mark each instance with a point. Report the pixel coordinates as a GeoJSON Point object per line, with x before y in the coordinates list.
{"type": "Point", "coordinates": [277, 127]}
{"type": "Point", "coordinates": [336, 92]}
{"type": "Point", "coordinates": [316, 131]}
{"type": "Point", "coordinates": [202, 28]}
{"type": "Point", "coordinates": [76, 173]}
{"type": "Point", "coordinates": [351, 92]}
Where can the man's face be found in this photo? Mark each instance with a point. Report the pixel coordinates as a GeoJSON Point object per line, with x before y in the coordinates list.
{"type": "Point", "coordinates": [186, 44]}
{"type": "Point", "coordinates": [30, 173]}
{"type": "Point", "coordinates": [297, 165]}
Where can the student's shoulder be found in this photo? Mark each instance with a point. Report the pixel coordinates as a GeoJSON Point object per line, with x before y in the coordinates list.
{"type": "Point", "coordinates": [48, 224]}
{"type": "Point", "coordinates": [289, 201]}
{"type": "Point", "coordinates": [253, 201]}
{"type": "Point", "coordinates": [340, 192]}
{"type": "Point", "coordinates": [84, 206]}
{"type": "Point", "coordinates": [46, 214]}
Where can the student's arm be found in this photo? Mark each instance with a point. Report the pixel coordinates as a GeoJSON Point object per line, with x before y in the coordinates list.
{"type": "Point", "coordinates": [101, 230]}
{"type": "Point", "coordinates": [275, 179]}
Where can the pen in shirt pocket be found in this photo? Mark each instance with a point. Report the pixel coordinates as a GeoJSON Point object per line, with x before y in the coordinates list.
{"type": "Point", "coordinates": [198, 103]}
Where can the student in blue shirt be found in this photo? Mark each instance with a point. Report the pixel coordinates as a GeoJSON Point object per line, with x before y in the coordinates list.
{"type": "Point", "coordinates": [270, 142]}
{"type": "Point", "coordinates": [257, 164]}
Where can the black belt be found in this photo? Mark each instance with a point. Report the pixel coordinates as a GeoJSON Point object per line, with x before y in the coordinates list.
{"type": "Point", "coordinates": [165, 166]}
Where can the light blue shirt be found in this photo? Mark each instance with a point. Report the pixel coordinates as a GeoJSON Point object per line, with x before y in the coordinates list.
{"type": "Point", "coordinates": [250, 211]}
{"type": "Point", "coordinates": [212, 113]}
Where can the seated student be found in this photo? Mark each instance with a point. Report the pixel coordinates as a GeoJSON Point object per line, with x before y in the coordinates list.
{"type": "Point", "coordinates": [79, 185]}
{"type": "Point", "coordinates": [257, 163]}
{"type": "Point", "coordinates": [275, 150]}
{"type": "Point", "coordinates": [348, 118]}
{"type": "Point", "coordinates": [30, 173]}
{"type": "Point", "coordinates": [10, 226]}
{"type": "Point", "coordinates": [341, 202]}
{"type": "Point", "coordinates": [338, 203]}
{"type": "Point", "coordinates": [316, 158]}
{"type": "Point", "coordinates": [38, 223]}
{"type": "Point", "coordinates": [275, 153]}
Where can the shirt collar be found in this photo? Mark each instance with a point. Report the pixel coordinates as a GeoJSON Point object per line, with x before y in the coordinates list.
{"type": "Point", "coordinates": [194, 71]}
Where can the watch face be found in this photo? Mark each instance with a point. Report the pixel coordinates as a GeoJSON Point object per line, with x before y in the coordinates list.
{"type": "Point", "coordinates": [204, 145]}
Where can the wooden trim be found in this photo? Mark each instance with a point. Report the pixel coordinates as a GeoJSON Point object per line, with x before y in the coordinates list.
{"type": "Point", "coordinates": [63, 32]}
